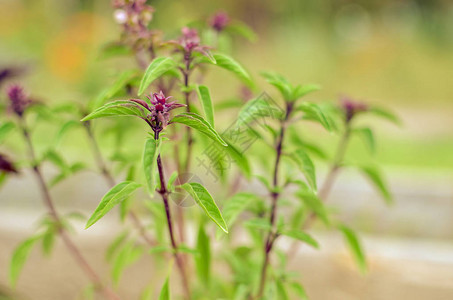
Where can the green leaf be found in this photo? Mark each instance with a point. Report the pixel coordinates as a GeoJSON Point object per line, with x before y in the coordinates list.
{"type": "Point", "coordinates": [303, 90]}
{"type": "Point", "coordinates": [383, 113]}
{"type": "Point", "coordinates": [114, 49]}
{"type": "Point", "coordinates": [113, 197]}
{"type": "Point", "coordinates": [20, 255]}
{"type": "Point", "coordinates": [206, 102]}
{"type": "Point", "coordinates": [301, 236]}
{"type": "Point", "coordinates": [299, 290]}
{"type": "Point", "coordinates": [366, 134]}
{"type": "Point", "coordinates": [306, 166]}
{"type": "Point", "coordinates": [228, 63]}
{"type": "Point", "coordinates": [314, 112]}
{"type": "Point", "coordinates": [375, 177]}
{"type": "Point", "coordinates": [203, 260]}
{"type": "Point", "coordinates": [204, 199]}
{"type": "Point", "coordinates": [261, 224]}
{"type": "Point", "coordinates": [147, 293]}
{"type": "Point", "coordinates": [150, 154]}
{"type": "Point", "coordinates": [126, 256]}
{"type": "Point", "coordinates": [198, 123]}
{"type": "Point", "coordinates": [171, 181]}
{"type": "Point", "coordinates": [242, 29]}
{"type": "Point", "coordinates": [115, 246]}
{"type": "Point", "coordinates": [259, 108]}
{"type": "Point", "coordinates": [315, 204]}
{"type": "Point", "coordinates": [5, 128]}
{"type": "Point", "coordinates": [281, 291]}
{"type": "Point", "coordinates": [64, 129]}
{"type": "Point", "coordinates": [355, 247]}
{"type": "Point", "coordinates": [165, 291]}
{"type": "Point", "coordinates": [280, 82]}
{"type": "Point", "coordinates": [57, 160]}
{"type": "Point", "coordinates": [155, 69]}
{"type": "Point", "coordinates": [239, 158]}
{"type": "Point", "coordinates": [48, 239]}
{"type": "Point", "coordinates": [236, 205]}
{"type": "Point", "coordinates": [121, 82]}
{"type": "Point", "coordinates": [117, 108]}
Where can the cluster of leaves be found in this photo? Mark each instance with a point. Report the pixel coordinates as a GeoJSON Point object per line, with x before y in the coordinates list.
{"type": "Point", "coordinates": [291, 184]}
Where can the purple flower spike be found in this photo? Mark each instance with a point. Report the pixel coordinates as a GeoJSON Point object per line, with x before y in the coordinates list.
{"type": "Point", "coordinates": [19, 100]}
{"type": "Point", "coordinates": [159, 109]}
{"type": "Point", "coordinates": [351, 107]}
{"type": "Point", "coordinates": [219, 21]}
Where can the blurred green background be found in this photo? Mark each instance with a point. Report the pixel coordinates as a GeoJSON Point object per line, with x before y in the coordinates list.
{"type": "Point", "coordinates": [395, 53]}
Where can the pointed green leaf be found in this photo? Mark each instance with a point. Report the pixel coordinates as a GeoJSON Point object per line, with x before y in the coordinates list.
{"type": "Point", "coordinates": [165, 291]}
{"type": "Point", "coordinates": [206, 102]}
{"type": "Point", "coordinates": [121, 82]}
{"type": "Point", "coordinates": [306, 165]}
{"type": "Point", "coordinates": [203, 260]}
{"type": "Point", "coordinates": [20, 255]}
{"type": "Point", "coordinates": [355, 247]}
{"type": "Point", "coordinates": [228, 63]}
{"type": "Point", "coordinates": [239, 158]}
{"type": "Point", "coordinates": [315, 204]}
{"type": "Point", "coordinates": [314, 112]}
{"type": "Point", "coordinates": [280, 82]}
{"type": "Point", "coordinates": [236, 205]}
{"type": "Point", "coordinates": [204, 199]}
{"type": "Point", "coordinates": [126, 256]}
{"type": "Point", "coordinates": [299, 290]}
{"type": "Point", "coordinates": [383, 113]}
{"type": "Point", "coordinates": [257, 109]}
{"type": "Point", "coordinates": [261, 224]}
{"type": "Point", "coordinates": [113, 197]}
{"type": "Point", "coordinates": [117, 108]}
{"type": "Point", "coordinates": [281, 291]}
{"type": "Point", "coordinates": [302, 90]}
{"type": "Point", "coordinates": [242, 29]}
{"type": "Point", "coordinates": [64, 129]}
{"type": "Point", "coordinates": [301, 236]}
{"type": "Point", "coordinates": [198, 123]}
{"type": "Point", "coordinates": [5, 128]}
{"type": "Point", "coordinates": [155, 69]}
{"type": "Point", "coordinates": [366, 134]}
{"type": "Point", "coordinates": [115, 246]}
{"type": "Point", "coordinates": [375, 177]}
{"type": "Point", "coordinates": [150, 154]}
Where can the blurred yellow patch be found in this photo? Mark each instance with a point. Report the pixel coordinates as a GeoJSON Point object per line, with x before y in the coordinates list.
{"type": "Point", "coordinates": [67, 54]}
{"type": "Point", "coordinates": [12, 17]}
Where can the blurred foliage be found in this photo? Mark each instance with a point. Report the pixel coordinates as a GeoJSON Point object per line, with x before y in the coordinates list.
{"type": "Point", "coordinates": [398, 53]}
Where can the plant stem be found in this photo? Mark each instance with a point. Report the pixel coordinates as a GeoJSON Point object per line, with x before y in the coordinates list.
{"type": "Point", "coordinates": [111, 182]}
{"type": "Point", "coordinates": [164, 193]}
{"type": "Point", "coordinates": [185, 170]}
{"type": "Point", "coordinates": [72, 248]}
{"type": "Point", "coordinates": [272, 235]}
{"type": "Point", "coordinates": [327, 185]}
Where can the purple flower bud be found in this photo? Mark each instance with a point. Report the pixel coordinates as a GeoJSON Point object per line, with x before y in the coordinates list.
{"type": "Point", "coordinates": [159, 110]}
{"type": "Point", "coordinates": [19, 100]}
{"type": "Point", "coordinates": [219, 21]}
{"type": "Point", "coordinates": [351, 108]}
{"type": "Point", "coordinates": [6, 165]}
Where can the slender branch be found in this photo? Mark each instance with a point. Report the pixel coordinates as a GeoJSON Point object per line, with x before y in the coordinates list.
{"type": "Point", "coordinates": [272, 235]}
{"type": "Point", "coordinates": [73, 250]}
{"type": "Point", "coordinates": [327, 185]}
{"type": "Point", "coordinates": [111, 182]}
{"type": "Point", "coordinates": [186, 168]}
{"type": "Point", "coordinates": [164, 193]}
